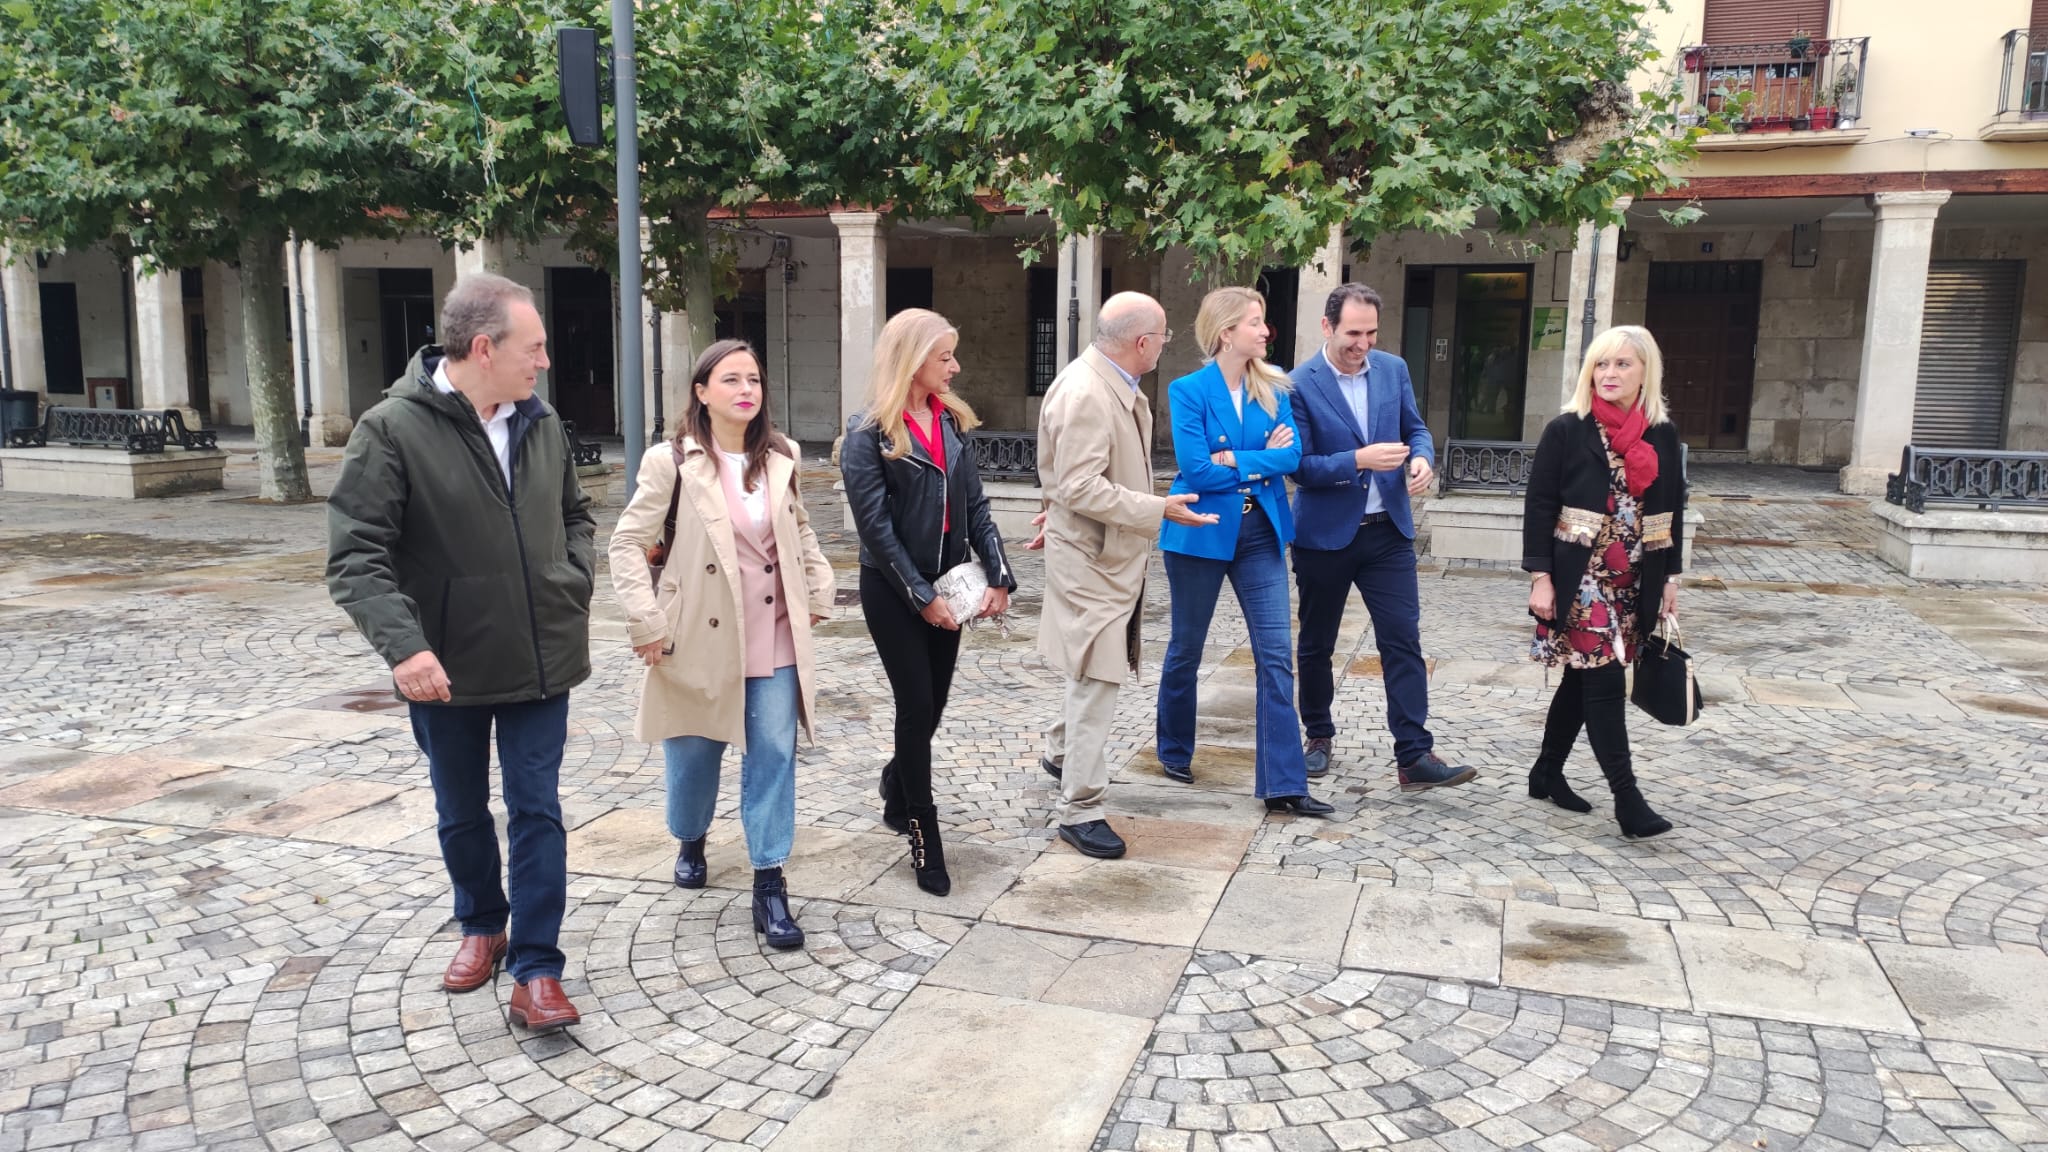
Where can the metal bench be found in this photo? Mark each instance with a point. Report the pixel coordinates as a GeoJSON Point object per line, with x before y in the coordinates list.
{"type": "Point", "coordinates": [1993, 480]}
{"type": "Point", "coordinates": [135, 430]}
{"type": "Point", "coordinates": [1495, 466]}
{"type": "Point", "coordinates": [583, 453]}
{"type": "Point", "coordinates": [1006, 455]}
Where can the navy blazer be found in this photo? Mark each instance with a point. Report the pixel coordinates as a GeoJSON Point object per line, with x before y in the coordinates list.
{"type": "Point", "coordinates": [1329, 497]}
{"type": "Point", "coordinates": [1205, 421]}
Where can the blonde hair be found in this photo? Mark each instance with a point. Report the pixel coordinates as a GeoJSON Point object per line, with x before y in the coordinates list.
{"type": "Point", "coordinates": [1224, 309]}
{"type": "Point", "coordinates": [1638, 340]}
{"type": "Point", "coordinates": [907, 341]}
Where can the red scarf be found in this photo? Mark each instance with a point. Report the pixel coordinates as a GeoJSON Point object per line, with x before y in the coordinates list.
{"type": "Point", "coordinates": [1625, 433]}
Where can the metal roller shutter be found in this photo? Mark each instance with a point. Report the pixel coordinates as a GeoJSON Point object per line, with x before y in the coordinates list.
{"type": "Point", "coordinates": [1966, 351]}
{"type": "Point", "coordinates": [2039, 22]}
{"type": "Point", "coordinates": [1763, 21]}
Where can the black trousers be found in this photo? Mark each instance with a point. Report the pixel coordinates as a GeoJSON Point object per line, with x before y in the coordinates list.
{"type": "Point", "coordinates": [918, 659]}
{"type": "Point", "coordinates": [1596, 700]}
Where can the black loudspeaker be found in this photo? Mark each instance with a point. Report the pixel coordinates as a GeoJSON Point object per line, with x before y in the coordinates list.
{"type": "Point", "coordinates": [576, 64]}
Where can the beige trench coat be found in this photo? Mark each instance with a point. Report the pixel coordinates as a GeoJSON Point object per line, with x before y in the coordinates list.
{"type": "Point", "coordinates": [1095, 461]}
{"type": "Point", "coordinates": [698, 688]}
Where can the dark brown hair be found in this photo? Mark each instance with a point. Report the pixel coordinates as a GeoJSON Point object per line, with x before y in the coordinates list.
{"type": "Point", "coordinates": [696, 421]}
{"type": "Point", "coordinates": [1333, 308]}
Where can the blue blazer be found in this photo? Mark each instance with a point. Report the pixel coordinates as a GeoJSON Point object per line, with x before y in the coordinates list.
{"type": "Point", "coordinates": [1329, 497]}
{"type": "Point", "coordinates": [1204, 422]}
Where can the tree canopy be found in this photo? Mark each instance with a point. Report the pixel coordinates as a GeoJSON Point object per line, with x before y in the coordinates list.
{"type": "Point", "coordinates": [1256, 127]}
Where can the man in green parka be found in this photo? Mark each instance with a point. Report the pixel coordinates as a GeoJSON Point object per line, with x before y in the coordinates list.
{"type": "Point", "coordinates": [460, 543]}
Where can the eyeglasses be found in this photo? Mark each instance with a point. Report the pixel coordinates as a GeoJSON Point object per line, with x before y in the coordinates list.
{"type": "Point", "coordinates": [1165, 337]}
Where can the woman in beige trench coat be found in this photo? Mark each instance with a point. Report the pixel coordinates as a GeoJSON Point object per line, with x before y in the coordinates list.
{"type": "Point", "coordinates": [726, 633]}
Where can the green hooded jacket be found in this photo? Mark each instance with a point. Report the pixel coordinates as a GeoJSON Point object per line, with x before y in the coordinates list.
{"type": "Point", "coordinates": [425, 550]}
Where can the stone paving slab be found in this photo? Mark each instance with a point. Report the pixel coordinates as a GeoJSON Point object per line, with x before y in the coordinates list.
{"type": "Point", "coordinates": [1425, 934]}
{"type": "Point", "coordinates": [1972, 995]}
{"type": "Point", "coordinates": [1574, 953]}
{"type": "Point", "coordinates": [1282, 916]}
{"type": "Point", "coordinates": [926, 1079]}
{"type": "Point", "coordinates": [106, 785]}
{"type": "Point", "coordinates": [1125, 899]}
{"type": "Point", "coordinates": [215, 797]}
{"type": "Point", "coordinates": [1775, 977]}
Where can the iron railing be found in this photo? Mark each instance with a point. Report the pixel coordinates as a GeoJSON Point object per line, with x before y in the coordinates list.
{"type": "Point", "coordinates": [2023, 79]}
{"type": "Point", "coordinates": [1806, 83]}
{"type": "Point", "coordinates": [582, 453]}
{"type": "Point", "coordinates": [1006, 455]}
{"type": "Point", "coordinates": [1994, 480]}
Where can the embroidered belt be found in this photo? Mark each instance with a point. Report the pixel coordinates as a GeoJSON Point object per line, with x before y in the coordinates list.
{"type": "Point", "coordinates": [1657, 531]}
{"type": "Point", "coordinates": [1579, 525]}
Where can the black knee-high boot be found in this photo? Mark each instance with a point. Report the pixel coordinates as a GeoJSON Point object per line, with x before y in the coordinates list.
{"type": "Point", "coordinates": [894, 814]}
{"type": "Point", "coordinates": [927, 854]}
{"type": "Point", "coordinates": [1560, 731]}
{"type": "Point", "coordinates": [1607, 726]}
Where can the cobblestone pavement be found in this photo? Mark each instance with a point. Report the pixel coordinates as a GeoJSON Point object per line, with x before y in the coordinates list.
{"type": "Point", "coordinates": [223, 917]}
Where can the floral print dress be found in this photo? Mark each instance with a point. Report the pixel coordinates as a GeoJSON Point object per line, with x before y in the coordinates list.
{"type": "Point", "coordinates": [1600, 621]}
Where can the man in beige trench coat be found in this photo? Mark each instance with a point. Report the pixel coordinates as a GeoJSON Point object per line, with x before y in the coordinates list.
{"type": "Point", "coordinates": [1101, 518]}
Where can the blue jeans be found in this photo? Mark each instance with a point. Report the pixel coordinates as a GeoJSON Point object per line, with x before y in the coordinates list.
{"type": "Point", "coordinates": [1380, 563]}
{"type": "Point", "coordinates": [457, 741]}
{"type": "Point", "coordinates": [767, 773]}
{"type": "Point", "coordinates": [1258, 573]}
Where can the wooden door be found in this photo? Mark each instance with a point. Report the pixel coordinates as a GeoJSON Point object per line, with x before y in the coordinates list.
{"type": "Point", "coordinates": [1704, 316]}
{"type": "Point", "coordinates": [580, 341]}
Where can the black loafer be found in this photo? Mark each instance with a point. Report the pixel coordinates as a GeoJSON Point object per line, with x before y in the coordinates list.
{"type": "Point", "coordinates": [1185, 773]}
{"type": "Point", "coordinates": [1095, 838]}
{"type": "Point", "coordinates": [1317, 754]}
{"type": "Point", "coordinates": [1051, 769]}
{"type": "Point", "coordinates": [1299, 805]}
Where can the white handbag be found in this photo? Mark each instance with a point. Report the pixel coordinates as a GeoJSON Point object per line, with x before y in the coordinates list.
{"type": "Point", "coordinates": [963, 587]}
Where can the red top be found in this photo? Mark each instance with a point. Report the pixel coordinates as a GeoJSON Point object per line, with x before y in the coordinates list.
{"type": "Point", "coordinates": [934, 444]}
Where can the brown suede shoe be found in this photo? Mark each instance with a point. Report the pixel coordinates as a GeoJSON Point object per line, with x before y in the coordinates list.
{"type": "Point", "coordinates": [475, 963]}
{"type": "Point", "coordinates": [541, 1004]}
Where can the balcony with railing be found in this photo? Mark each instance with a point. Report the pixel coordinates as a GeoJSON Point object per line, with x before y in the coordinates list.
{"type": "Point", "coordinates": [1802, 91]}
{"type": "Point", "coordinates": [2022, 89]}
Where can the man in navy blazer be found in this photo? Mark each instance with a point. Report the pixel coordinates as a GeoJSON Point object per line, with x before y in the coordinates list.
{"type": "Point", "coordinates": [1364, 450]}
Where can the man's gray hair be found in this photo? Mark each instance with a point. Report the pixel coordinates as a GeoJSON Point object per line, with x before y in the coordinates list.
{"type": "Point", "coordinates": [1122, 328]}
{"type": "Point", "coordinates": [479, 305]}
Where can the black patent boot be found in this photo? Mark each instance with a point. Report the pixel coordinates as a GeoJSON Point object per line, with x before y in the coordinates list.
{"type": "Point", "coordinates": [927, 855]}
{"type": "Point", "coordinates": [771, 910]}
{"type": "Point", "coordinates": [690, 869]}
{"type": "Point", "coordinates": [893, 813]}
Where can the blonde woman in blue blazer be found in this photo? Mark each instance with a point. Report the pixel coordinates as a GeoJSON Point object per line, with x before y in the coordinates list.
{"type": "Point", "coordinates": [1234, 442]}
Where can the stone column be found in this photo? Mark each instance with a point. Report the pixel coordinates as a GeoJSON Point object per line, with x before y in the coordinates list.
{"type": "Point", "coordinates": [863, 300]}
{"type": "Point", "coordinates": [1584, 265]}
{"type": "Point", "coordinates": [164, 373]}
{"type": "Point", "coordinates": [485, 255]}
{"type": "Point", "coordinates": [1890, 371]}
{"type": "Point", "coordinates": [1080, 287]}
{"type": "Point", "coordinates": [1320, 277]}
{"type": "Point", "coordinates": [24, 318]}
{"type": "Point", "coordinates": [320, 269]}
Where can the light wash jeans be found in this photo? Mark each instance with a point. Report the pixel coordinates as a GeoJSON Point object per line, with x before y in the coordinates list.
{"type": "Point", "coordinates": [767, 773]}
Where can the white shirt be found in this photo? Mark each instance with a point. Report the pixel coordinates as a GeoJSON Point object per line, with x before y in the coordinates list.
{"type": "Point", "coordinates": [1358, 394]}
{"type": "Point", "coordinates": [497, 429]}
{"type": "Point", "coordinates": [1237, 398]}
{"type": "Point", "coordinates": [755, 502]}
{"type": "Point", "coordinates": [1128, 378]}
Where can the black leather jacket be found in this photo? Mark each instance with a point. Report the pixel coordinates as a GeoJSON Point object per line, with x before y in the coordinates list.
{"type": "Point", "coordinates": [899, 506]}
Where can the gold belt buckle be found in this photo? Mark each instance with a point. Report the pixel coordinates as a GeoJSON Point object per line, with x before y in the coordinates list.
{"type": "Point", "coordinates": [1250, 502]}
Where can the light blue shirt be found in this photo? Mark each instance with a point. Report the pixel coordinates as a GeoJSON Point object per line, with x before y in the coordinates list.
{"type": "Point", "coordinates": [1128, 378]}
{"type": "Point", "coordinates": [1359, 396]}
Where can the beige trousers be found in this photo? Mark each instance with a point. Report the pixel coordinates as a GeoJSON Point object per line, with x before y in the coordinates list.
{"type": "Point", "coordinates": [1076, 741]}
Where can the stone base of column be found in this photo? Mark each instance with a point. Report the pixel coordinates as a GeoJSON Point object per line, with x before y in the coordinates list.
{"type": "Point", "coordinates": [331, 431]}
{"type": "Point", "coordinates": [1857, 481]}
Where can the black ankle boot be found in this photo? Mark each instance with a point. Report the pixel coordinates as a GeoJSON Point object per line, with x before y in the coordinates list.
{"type": "Point", "coordinates": [892, 802]}
{"type": "Point", "coordinates": [1638, 820]}
{"type": "Point", "coordinates": [927, 855]}
{"type": "Point", "coordinates": [1547, 782]}
{"type": "Point", "coordinates": [771, 910]}
{"type": "Point", "coordinates": [690, 870]}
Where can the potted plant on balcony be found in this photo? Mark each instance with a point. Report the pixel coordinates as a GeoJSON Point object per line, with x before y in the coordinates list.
{"type": "Point", "coordinates": [1828, 113]}
{"type": "Point", "coordinates": [1799, 44]}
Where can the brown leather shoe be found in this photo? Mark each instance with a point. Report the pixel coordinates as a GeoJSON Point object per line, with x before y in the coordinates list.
{"type": "Point", "coordinates": [541, 1004]}
{"type": "Point", "coordinates": [475, 963]}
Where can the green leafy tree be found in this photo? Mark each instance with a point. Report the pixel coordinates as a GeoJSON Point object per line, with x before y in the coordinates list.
{"type": "Point", "coordinates": [182, 131]}
{"type": "Point", "coordinates": [1254, 127]}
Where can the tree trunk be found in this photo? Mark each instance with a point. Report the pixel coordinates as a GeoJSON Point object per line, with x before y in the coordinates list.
{"type": "Point", "coordinates": [280, 455]}
{"type": "Point", "coordinates": [700, 298]}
